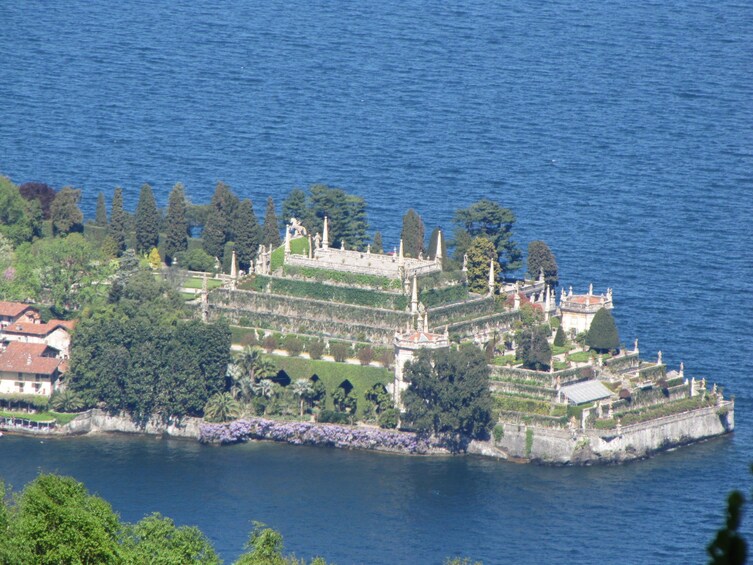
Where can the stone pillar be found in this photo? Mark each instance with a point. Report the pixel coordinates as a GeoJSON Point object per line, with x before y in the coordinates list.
{"type": "Point", "coordinates": [438, 255]}
{"type": "Point", "coordinates": [233, 271]}
{"type": "Point", "coordinates": [516, 301]}
{"type": "Point", "coordinates": [325, 234]}
{"type": "Point", "coordinates": [287, 241]}
{"type": "Point", "coordinates": [400, 255]}
{"type": "Point", "coordinates": [491, 277]}
{"type": "Point", "coordinates": [591, 289]}
{"type": "Point", "coordinates": [414, 297]}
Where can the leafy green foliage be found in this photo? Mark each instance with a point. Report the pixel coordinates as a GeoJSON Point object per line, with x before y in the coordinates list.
{"type": "Point", "coordinates": [156, 539]}
{"type": "Point", "coordinates": [339, 351]}
{"type": "Point", "coordinates": [100, 215]}
{"type": "Point", "coordinates": [66, 401]}
{"type": "Point", "coordinates": [270, 233]}
{"type": "Point", "coordinates": [533, 348]}
{"type": "Point", "coordinates": [540, 257]}
{"type": "Point", "coordinates": [602, 335]}
{"type": "Point", "coordinates": [146, 221]}
{"type": "Point", "coordinates": [373, 281]}
{"type": "Point", "coordinates": [449, 393]}
{"type": "Point", "coordinates": [218, 227]}
{"type": "Point", "coordinates": [346, 215]}
{"type": "Point", "coordinates": [176, 224]}
{"type": "Point", "coordinates": [480, 254]}
{"type": "Point", "coordinates": [15, 223]}
{"type": "Point", "coordinates": [247, 235]}
{"type": "Point", "coordinates": [292, 345]}
{"type": "Point", "coordinates": [489, 220]}
{"type": "Point", "coordinates": [64, 212]}
{"type": "Point", "coordinates": [413, 234]}
{"type": "Point", "coordinates": [222, 407]}
{"type": "Point", "coordinates": [118, 228]}
{"type": "Point", "coordinates": [54, 520]}
{"type": "Point", "coordinates": [137, 355]}
{"type": "Point", "coordinates": [196, 259]}
{"type": "Point", "coordinates": [294, 206]}
{"type": "Point", "coordinates": [559, 337]}
{"type": "Point", "coordinates": [41, 192]}
{"type": "Point", "coordinates": [377, 246]}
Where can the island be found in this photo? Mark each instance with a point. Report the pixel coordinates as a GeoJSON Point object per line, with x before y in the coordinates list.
{"type": "Point", "coordinates": [322, 337]}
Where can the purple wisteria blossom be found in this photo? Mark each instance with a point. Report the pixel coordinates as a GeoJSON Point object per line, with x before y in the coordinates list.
{"type": "Point", "coordinates": [306, 433]}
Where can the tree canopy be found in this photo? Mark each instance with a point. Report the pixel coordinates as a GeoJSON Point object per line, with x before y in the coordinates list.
{"type": "Point", "coordinates": [147, 221]}
{"type": "Point", "coordinates": [40, 191]}
{"type": "Point", "coordinates": [247, 234]}
{"type": "Point", "coordinates": [100, 215]}
{"type": "Point", "coordinates": [541, 258]}
{"type": "Point", "coordinates": [480, 254]}
{"type": "Point", "coordinates": [602, 335]}
{"type": "Point", "coordinates": [64, 212]}
{"type": "Point", "coordinates": [413, 234]}
{"type": "Point", "coordinates": [218, 226]}
{"type": "Point", "coordinates": [176, 229]}
{"type": "Point", "coordinates": [449, 393]}
{"type": "Point", "coordinates": [534, 349]}
{"type": "Point", "coordinates": [271, 229]}
{"type": "Point", "coordinates": [118, 227]}
{"type": "Point", "coordinates": [15, 221]}
{"type": "Point", "coordinates": [489, 220]}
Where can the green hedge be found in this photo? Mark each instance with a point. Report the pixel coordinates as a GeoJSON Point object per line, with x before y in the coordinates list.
{"type": "Point", "coordinates": [437, 296]}
{"type": "Point", "coordinates": [327, 292]}
{"type": "Point", "coordinates": [321, 275]}
{"type": "Point", "coordinates": [511, 403]}
{"type": "Point", "coordinates": [332, 374]}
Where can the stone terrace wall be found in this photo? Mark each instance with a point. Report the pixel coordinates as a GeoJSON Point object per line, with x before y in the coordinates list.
{"type": "Point", "coordinates": [363, 263]}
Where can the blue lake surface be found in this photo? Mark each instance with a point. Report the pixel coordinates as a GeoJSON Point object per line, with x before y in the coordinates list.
{"type": "Point", "coordinates": [622, 135]}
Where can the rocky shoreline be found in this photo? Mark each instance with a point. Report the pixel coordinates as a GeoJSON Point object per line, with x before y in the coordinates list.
{"type": "Point", "coordinates": [518, 442]}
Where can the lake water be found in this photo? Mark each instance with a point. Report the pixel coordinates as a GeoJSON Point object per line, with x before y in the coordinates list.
{"type": "Point", "coordinates": [619, 134]}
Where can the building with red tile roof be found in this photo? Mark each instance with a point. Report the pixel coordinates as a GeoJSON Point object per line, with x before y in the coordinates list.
{"type": "Point", "coordinates": [16, 311]}
{"type": "Point", "coordinates": [29, 368]}
{"type": "Point", "coordinates": [578, 310]}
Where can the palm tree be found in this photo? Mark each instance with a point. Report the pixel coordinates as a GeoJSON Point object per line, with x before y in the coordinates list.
{"type": "Point", "coordinates": [222, 407]}
{"type": "Point", "coordinates": [255, 365]}
{"type": "Point", "coordinates": [303, 389]}
{"type": "Point", "coordinates": [66, 401]}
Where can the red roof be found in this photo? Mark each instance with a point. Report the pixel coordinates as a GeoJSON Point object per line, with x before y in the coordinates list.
{"type": "Point", "coordinates": [421, 337]}
{"type": "Point", "coordinates": [28, 328]}
{"type": "Point", "coordinates": [13, 309]}
{"type": "Point", "coordinates": [27, 358]}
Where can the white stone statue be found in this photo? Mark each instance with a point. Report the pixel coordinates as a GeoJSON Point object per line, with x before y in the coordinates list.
{"type": "Point", "coordinates": [297, 228]}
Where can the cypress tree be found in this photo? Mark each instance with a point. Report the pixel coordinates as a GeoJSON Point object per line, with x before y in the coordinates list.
{"type": "Point", "coordinates": [602, 335]}
{"type": "Point", "coordinates": [247, 235]}
{"type": "Point", "coordinates": [377, 246]}
{"type": "Point", "coordinates": [413, 233]}
{"type": "Point", "coordinates": [541, 257]}
{"type": "Point", "coordinates": [147, 221]}
{"type": "Point", "coordinates": [100, 218]}
{"type": "Point", "coordinates": [271, 229]}
{"type": "Point", "coordinates": [118, 221]}
{"type": "Point", "coordinates": [176, 236]}
{"type": "Point", "coordinates": [217, 228]}
{"type": "Point", "coordinates": [559, 337]}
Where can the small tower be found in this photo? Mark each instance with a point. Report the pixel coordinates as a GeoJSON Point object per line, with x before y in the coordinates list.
{"type": "Point", "coordinates": [204, 299]}
{"type": "Point", "coordinates": [400, 255]}
{"type": "Point", "coordinates": [414, 297]}
{"type": "Point", "coordinates": [233, 270]}
{"type": "Point", "coordinates": [438, 254]}
{"type": "Point", "coordinates": [287, 242]}
{"type": "Point", "coordinates": [325, 234]}
{"type": "Point", "coordinates": [491, 277]}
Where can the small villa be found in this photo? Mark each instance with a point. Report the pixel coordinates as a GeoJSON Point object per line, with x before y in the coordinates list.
{"type": "Point", "coordinates": [32, 354]}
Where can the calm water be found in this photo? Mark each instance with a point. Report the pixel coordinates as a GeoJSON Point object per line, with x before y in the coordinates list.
{"type": "Point", "coordinates": [621, 135]}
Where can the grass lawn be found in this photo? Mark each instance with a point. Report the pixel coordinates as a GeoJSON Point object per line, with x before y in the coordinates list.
{"type": "Point", "coordinates": [560, 349]}
{"type": "Point", "coordinates": [580, 357]}
{"type": "Point", "coordinates": [332, 374]}
{"type": "Point", "coordinates": [60, 418]}
{"type": "Point", "coordinates": [198, 282]}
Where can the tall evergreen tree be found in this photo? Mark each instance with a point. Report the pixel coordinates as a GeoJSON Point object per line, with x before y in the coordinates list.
{"type": "Point", "coordinates": [217, 228]}
{"type": "Point", "coordinates": [294, 206]}
{"type": "Point", "coordinates": [413, 234]}
{"type": "Point", "coordinates": [118, 228]}
{"type": "Point", "coordinates": [100, 218]}
{"type": "Point", "coordinates": [147, 221]}
{"type": "Point", "coordinates": [533, 348]}
{"type": "Point", "coordinates": [176, 233]}
{"type": "Point", "coordinates": [247, 234]}
{"type": "Point", "coordinates": [480, 253]}
{"type": "Point", "coordinates": [377, 246]}
{"type": "Point", "coordinates": [65, 214]}
{"type": "Point", "coordinates": [602, 335]}
{"type": "Point", "coordinates": [346, 216]}
{"type": "Point", "coordinates": [271, 228]}
{"type": "Point", "coordinates": [540, 257]}
{"type": "Point", "coordinates": [490, 220]}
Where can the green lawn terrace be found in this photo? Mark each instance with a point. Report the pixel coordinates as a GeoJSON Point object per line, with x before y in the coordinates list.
{"type": "Point", "coordinates": [354, 305]}
{"type": "Point", "coordinates": [602, 392]}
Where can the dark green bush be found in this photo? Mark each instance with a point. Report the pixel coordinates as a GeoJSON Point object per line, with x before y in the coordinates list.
{"type": "Point", "coordinates": [333, 417]}
{"type": "Point", "coordinates": [315, 349]}
{"type": "Point", "coordinates": [365, 355]}
{"type": "Point", "coordinates": [388, 418]}
{"type": "Point", "coordinates": [340, 351]}
{"type": "Point", "coordinates": [269, 343]}
{"type": "Point", "coordinates": [292, 345]}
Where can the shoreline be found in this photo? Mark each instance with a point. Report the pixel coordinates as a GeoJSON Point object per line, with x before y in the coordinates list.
{"type": "Point", "coordinates": [518, 444]}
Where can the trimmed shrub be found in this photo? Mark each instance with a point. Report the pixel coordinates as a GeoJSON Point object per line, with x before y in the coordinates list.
{"type": "Point", "coordinates": [559, 337]}
{"type": "Point", "coordinates": [292, 345]}
{"type": "Point", "coordinates": [388, 418]}
{"type": "Point", "coordinates": [270, 343]}
{"type": "Point", "coordinates": [333, 417]}
{"type": "Point", "coordinates": [339, 351]}
{"type": "Point", "coordinates": [365, 355]}
{"type": "Point", "coordinates": [315, 349]}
